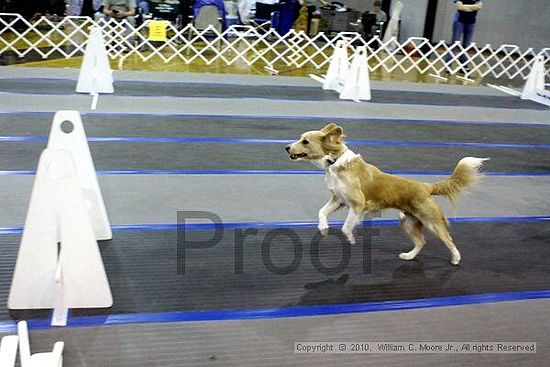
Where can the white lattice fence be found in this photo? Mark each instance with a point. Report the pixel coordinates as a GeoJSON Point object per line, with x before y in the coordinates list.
{"type": "Point", "coordinates": [252, 46]}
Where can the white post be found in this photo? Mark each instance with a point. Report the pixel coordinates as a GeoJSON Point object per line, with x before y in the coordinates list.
{"type": "Point", "coordinates": [67, 132]}
{"type": "Point", "coordinates": [47, 359]}
{"type": "Point", "coordinates": [357, 84]}
{"type": "Point", "coordinates": [95, 75]}
{"type": "Point", "coordinates": [59, 265]}
{"type": "Point", "coordinates": [8, 350]}
{"type": "Point", "coordinates": [338, 68]}
{"type": "Point", "coordinates": [534, 88]}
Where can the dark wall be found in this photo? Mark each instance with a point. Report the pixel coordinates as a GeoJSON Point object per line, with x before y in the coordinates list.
{"type": "Point", "coordinates": [29, 7]}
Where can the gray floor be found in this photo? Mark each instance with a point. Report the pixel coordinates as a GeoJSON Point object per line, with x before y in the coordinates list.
{"type": "Point", "coordinates": [168, 77]}
{"type": "Point", "coordinates": [273, 92]}
{"type": "Point", "coordinates": [154, 199]}
{"type": "Point", "coordinates": [270, 342]}
{"type": "Point", "coordinates": [251, 107]}
{"type": "Point", "coordinates": [266, 127]}
{"type": "Point", "coordinates": [198, 156]}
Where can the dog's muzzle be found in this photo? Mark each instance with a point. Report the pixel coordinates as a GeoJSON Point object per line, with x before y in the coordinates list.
{"type": "Point", "coordinates": [295, 156]}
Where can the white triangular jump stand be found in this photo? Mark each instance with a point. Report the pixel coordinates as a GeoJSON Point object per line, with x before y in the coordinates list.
{"type": "Point", "coordinates": [59, 265]}
{"type": "Point", "coordinates": [338, 69]}
{"type": "Point", "coordinates": [67, 132]}
{"type": "Point", "coordinates": [357, 84]}
{"type": "Point", "coordinates": [8, 350]}
{"type": "Point", "coordinates": [95, 75]}
{"type": "Point", "coordinates": [534, 88]}
{"type": "Point", "coordinates": [48, 359]}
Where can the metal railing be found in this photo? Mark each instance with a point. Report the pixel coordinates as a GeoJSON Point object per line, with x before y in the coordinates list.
{"type": "Point", "coordinates": [256, 46]}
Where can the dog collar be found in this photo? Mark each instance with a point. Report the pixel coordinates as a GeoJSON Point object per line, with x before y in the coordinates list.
{"type": "Point", "coordinates": [343, 159]}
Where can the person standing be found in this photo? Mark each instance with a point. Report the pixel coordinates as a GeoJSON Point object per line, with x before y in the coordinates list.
{"type": "Point", "coordinates": [312, 6]}
{"type": "Point", "coordinates": [464, 24]}
{"type": "Point", "coordinates": [84, 8]}
{"type": "Point", "coordinates": [121, 10]}
{"type": "Point", "coordinates": [381, 16]}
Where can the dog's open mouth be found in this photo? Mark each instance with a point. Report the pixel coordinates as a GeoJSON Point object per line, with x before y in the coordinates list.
{"type": "Point", "coordinates": [296, 156]}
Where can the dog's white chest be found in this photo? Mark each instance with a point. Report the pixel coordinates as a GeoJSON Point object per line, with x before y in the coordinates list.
{"type": "Point", "coordinates": [331, 179]}
{"type": "Point", "coordinates": [334, 183]}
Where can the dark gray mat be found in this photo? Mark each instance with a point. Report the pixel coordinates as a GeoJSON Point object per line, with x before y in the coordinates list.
{"type": "Point", "coordinates": [143, 268]}
{"type": "Point", "coordinates": [29, 124]}
{"type": "Point", "coordinates": [183, 156]}
{"type": "Point", "coordinates": [212, 90]}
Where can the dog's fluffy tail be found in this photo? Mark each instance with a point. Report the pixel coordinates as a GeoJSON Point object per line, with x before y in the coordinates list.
{"type": "Point", "coordinates": [466, 174]}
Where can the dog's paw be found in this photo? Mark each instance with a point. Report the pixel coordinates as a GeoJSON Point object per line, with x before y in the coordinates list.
{"type": "Point", "coordinates": [456, 259]}
{"type": "Point", "coordinates": [406, 256]}
{"type": "Point", "coordinates": [350, 237]}
{"type": "Point", "coordinates": [323, 230]}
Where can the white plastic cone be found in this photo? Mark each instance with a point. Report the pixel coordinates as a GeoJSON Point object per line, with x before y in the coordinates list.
{"type": "Point", "coordinates": [48, 275]}
{"type": "Point", "coordinates": [357, 84]}
{"type": "Point", "coordinates": [76, 143]}
{"type": "Point", "coordinates": [338, 68]}
{"type": "Point", "coordinates": [95, 75]}
{"type": "Point", "coordinates": [534, 87]}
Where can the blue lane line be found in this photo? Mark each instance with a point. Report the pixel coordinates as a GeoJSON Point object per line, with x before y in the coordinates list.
{"type": "Point", "coordinates": [320, 119]}
{"type": "Point", "coordinates": [290, 224]}
{"type": "Point", "coordinates": [205, 140]}
{"type": "Point", "coordinates": [284, 312]}
{"type": "Point", "coordinates": [276, 172]}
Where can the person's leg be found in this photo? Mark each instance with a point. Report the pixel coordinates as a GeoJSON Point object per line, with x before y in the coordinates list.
{"type": "Point", "coordinates": [468, 36]}
{"type": "Point", "coordinates": [129, 28]}
{"type": "Point", "coordinates": [310, 11]}
{"type": "Point", "coordinates": [458, 30]}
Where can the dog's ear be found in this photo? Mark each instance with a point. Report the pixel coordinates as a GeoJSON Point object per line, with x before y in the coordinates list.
{"type": "Point", "coordinates": [335, 134]}
{"type": "Point", "coordinates": [328, 127]}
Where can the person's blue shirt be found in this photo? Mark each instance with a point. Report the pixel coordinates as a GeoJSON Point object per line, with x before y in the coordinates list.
{"type": "Point", "coordinates": [464, 16]}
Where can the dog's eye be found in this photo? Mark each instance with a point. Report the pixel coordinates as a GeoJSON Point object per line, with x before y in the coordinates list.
{"type": "Point", "coordinates": [305, 142]}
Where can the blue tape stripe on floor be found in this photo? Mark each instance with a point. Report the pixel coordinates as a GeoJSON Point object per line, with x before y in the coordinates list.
{"type": "Point", "coordinates": [291, 224]}
{"type": "Point", "coordinates": [284, 312]}
{"type": "Point", "coordinates": [321, 119]}
{"type": "Point", "coordinates": [276, 172]}
{"type": "Point", "coordinates": [282, 141]}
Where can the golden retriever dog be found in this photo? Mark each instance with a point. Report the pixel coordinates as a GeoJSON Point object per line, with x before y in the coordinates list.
{"type": "Point", "coordinates": [362, 187]}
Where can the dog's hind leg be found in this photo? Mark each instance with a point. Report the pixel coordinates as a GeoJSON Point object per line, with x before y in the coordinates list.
{"type": "Point", "coordinates": [431, 215]}
{"type": "Point", "coordinates": [413, 229]}
{"type": "Point", "coordinates": [331, 206]}
{"type": "Point", "coordinates": [440, 230]}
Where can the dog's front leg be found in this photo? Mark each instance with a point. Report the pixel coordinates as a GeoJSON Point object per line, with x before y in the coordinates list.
{"type": "Point", "coordinates": [332, 205]}
{"type": "Point", "coordinates": [352, 220]}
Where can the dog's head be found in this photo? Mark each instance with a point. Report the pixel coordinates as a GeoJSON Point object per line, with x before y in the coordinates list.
{"type": "Point", "coordinates": [315, 145]}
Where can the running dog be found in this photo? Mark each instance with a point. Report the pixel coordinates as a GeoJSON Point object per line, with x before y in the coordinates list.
{"type": "Point", "coordinates": [362, 187]}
